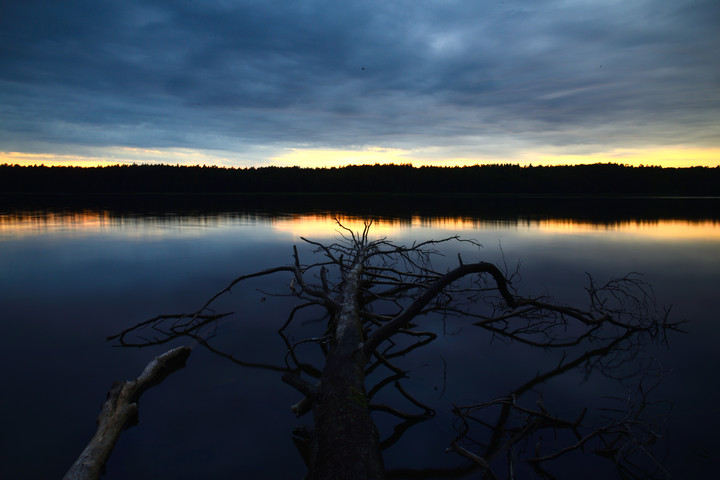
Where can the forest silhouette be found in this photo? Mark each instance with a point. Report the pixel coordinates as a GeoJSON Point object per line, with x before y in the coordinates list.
{"type": "Point", "coordinates": [595, 179]}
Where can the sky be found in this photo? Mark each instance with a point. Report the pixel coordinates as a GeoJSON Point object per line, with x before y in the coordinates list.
{"type": "Point", "coordinates": [331, 83]}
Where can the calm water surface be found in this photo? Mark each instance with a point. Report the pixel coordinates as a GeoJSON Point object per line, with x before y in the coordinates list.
{"type": "Point", "coordinates": [70, 278]}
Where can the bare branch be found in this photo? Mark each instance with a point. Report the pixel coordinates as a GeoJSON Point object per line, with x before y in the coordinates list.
{"type": "Point", "coordinates": [120, 412]}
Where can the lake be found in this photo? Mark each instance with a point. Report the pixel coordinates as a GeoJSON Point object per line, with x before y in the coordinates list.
{"type": "Point", "coordinates": [72, 275]}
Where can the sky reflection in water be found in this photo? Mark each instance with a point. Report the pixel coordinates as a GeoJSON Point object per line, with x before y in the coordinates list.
{"type": "Point", "coordinates": [71, 278]}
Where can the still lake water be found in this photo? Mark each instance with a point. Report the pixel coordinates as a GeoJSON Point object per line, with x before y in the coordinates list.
{"type": "Point", "coordinates": [70, 277]}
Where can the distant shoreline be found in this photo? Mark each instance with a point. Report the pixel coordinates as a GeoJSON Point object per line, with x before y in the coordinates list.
{"type": "Point", "coordinates": [595, 208]}
{"type": "Point", "coordinates": [373, 180]}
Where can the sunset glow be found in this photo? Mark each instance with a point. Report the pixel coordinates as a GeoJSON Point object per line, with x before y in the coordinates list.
{"type": "Point", "coordinates": [664, 157]}
{"type": "Point", "coordinates": [107, 156]}
{"type": "Point", "coordinates": [323, 187]}
{"type": "Point", "coordinates": [325, 226]}
{"type": "Point", "coordinates": [677, 157]}
{"type": "Point", "coordinates": [86, 222]}
{"type": "Point", "coordinates": [666, 230]}
{"type": "Point", "coordinates": [314, 84]}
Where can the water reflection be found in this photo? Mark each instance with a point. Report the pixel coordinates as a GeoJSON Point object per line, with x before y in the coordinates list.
{"type": "Point", "coordinates": [325, 225]}
{"type": "Point", "coordinates": [41, 222]}
{"type": "Point", "coordinates": [71, 276]}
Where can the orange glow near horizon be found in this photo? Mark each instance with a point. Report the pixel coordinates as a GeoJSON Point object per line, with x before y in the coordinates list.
{"type": "Point", "coordinates": [35, 223]}
{"type": "Point", "coordinates": [40, 222]}
{"type": "Point", "coordinates": [677, 157]}
{"type": "Point", "coordinates": [664, 157]}
{"type": "Point", "coordinates": [666, 230]}
{"type": "Point", "coordinates": [317, 225]}
{"type": "Point", "coordinates": [52, 160]}
{"type": "Point", "coordinates": [110, 156]}
{"type": "Point", "coordinates": [324, 226]}
{"type": "Point", "coordinates": [319, 158]}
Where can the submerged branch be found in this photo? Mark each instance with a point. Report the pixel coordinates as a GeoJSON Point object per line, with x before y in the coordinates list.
{"type": "Point", "coordinates": [119, 412]}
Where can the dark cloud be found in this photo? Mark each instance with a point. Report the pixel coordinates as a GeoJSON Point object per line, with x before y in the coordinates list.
{"type": "Point", "coordinates": [491, 76]}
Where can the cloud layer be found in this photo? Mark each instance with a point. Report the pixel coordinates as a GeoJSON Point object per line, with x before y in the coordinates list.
{"type": "Point", "coordinates": [442, 79]}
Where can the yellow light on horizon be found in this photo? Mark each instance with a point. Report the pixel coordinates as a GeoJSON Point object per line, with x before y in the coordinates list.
{"type": "Point", "coordinates": [324, 226]}
{"type": "Point", "coordinates": [675, 157]}
{"type": "Point", "coordinates": [51, 159]}
{"type": "Point", "coordinates": [110, 156]}
{"type": "Point", "coordinates": [326, 158]}
{"type": "Point", "coordinates": [318, 158]}
{"type": "Point", "coordinates": [665, 230]}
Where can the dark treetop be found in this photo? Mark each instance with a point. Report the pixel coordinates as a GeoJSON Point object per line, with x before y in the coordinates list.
{"type": "Point", "coordinates": [597, 179]}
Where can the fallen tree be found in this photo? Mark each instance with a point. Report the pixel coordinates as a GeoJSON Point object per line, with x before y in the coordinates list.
{"type": "Point", "coordinates": [120, 412]}
{"type": "Point", "coordinates": [372, 295]}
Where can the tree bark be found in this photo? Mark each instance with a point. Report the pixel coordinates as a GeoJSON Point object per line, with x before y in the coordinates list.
{"type": "Point", "coordinates": [120, 412]}
{"type": "Point", "coordinates": [347, 443]}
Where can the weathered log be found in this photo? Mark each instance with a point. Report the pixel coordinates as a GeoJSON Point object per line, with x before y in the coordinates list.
{"type": "Point", "coordinates": [120, 412]}
{"type": "Point", "coordinates": [347, 440]}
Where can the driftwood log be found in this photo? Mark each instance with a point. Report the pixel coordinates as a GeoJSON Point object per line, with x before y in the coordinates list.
{"type": "Point", "coordinates": [120, 411]}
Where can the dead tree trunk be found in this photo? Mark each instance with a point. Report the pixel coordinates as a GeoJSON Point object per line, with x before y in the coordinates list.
{"type": "Point", "coordinates": [345, 434]}
{"type": "Point", "coordinates": [120, 411]}
{"type": "Point", "coordinates": [346, 442]}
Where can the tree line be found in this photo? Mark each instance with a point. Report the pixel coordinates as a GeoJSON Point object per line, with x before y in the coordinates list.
{"type": "Point", "coordinates": [594, 179]}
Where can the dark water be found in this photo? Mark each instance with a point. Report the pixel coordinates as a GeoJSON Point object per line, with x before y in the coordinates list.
{"type": "Point", "coordinates": [70, 277]}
